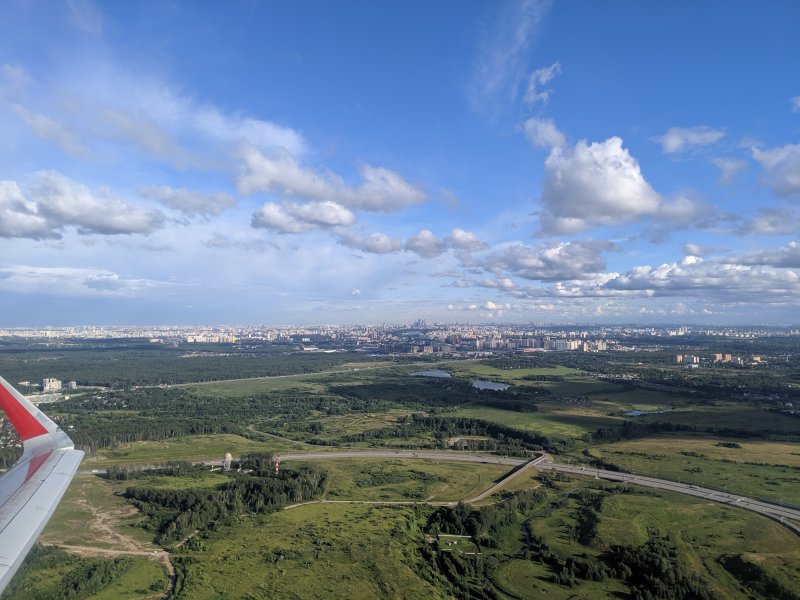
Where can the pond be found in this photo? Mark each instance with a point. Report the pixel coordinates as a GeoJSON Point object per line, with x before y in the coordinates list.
{"type": "Point", "coordinates": [637, 413]}
{"type": "Point", "coordinates": [432, 373]}
{"type": "Point", "coordinates": [482, 384]}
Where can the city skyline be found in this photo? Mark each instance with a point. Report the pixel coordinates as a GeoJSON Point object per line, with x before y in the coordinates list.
{"type": "Point", "coordinates": [482, 162]}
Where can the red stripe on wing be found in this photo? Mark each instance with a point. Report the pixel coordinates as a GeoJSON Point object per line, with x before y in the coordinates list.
{"type": "Point", "coordinates": [24, 422]}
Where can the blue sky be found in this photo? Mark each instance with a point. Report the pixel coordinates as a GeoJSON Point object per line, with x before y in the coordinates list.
{"type": "Point", "coordinates": [336, 162]}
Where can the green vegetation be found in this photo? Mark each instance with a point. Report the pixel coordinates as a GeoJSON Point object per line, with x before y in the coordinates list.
{"type": "Point", "coordinates": [552, 536]}
{"type": "Point", "coordinates": [405, 479]}
{"type": "Point", "coordinates": [68, 577]}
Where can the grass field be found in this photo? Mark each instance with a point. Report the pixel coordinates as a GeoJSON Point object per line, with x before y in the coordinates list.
{"type": "Point", "coordinates": [189, 448]}
{"type": "Point", "coordinates": [315, 551]}
{"type": "Point", "coordinates": [565, 420]}
{"type": "Point", "coordinates": [704, 532]}
{"type": "Point", "coordinates": [398, 479]}
{"type": "Point", "coordinates": [763, 469]}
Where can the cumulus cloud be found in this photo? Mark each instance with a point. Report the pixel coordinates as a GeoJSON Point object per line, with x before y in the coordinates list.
{"type": "Point", "coordinates": [293, 217]}
{"type": "Point", "coordinates": [787, 256]}
{"type": "Point", "coordinates": [66, 202]}
{"type": "Point", "coordinates": [464, 240]}
{"type": "Point", "coordinates": [19, 217]}
{"type": "Point", "coordinates": [280, 173]}
{"type": "Point", "coordinates": [795, 104]}
{"type": "Point", "coordinates": [691, 249]}
{"type": "Point", "coordinates": [552, 262]}
{"type": "Point", "coordinates": [681, 139]}
{"type": "Point", "coordinates": [425, 244]}
{"type": "Point", "coordinates": [594, 184]}
{"type": "Point", "coordinates": [538, 79]}
{"type": "Point", "coordinates": [771, 221]}
{"type": "Point", "coordinates": [188, 201]}
{"type": "Point", "coordinates": [498, 283]}
{"type": "Point", "coordinates": [375, 243]}
{"type": "Point", "coordinates": [764, 276]}
{"type": "Point", "coordinates": [781, 168]}
{"type": "Point", "coordinates": [729, 168]}
{"type": "Point", "coordinates": [543, 133]}
{"type": "Point", "coordinates": [355, 292]}
{"type": "Point", "coordinates": [55, 202]}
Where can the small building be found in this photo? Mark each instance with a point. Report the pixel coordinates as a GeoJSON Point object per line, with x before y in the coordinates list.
{"type": "Point", "coordinates": [51, 385]}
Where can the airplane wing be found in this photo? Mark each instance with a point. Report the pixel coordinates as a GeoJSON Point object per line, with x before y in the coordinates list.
{"type": "Point", "coordinates": [32, 488]}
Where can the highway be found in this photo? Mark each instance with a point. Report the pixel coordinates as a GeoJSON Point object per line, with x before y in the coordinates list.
{"type": "Point", "coordinates": [773, 511]}
{"type": "Point", "coordinates": [788, 517]}
{"type": "Point", "coordinates": [463, 457]}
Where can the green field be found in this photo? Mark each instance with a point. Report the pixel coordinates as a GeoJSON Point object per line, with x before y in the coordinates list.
{"type": "Point", "coordinates": [762, 469]}
{"type": "Point", "coordinates": [315, 551]}
{"type": "Point", "coordinates": [561, 421]}
{"type": "Point", "coordinates": [189, 448]}
{"type": "Point", "coordinates": [403, 480]}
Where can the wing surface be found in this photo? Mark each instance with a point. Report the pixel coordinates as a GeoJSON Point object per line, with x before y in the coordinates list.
{"type": "Point", "coordinates": [33, 487]}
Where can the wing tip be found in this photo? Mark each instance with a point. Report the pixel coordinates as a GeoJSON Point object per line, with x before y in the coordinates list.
{"type": "Point", "coordinates": [24, 416]}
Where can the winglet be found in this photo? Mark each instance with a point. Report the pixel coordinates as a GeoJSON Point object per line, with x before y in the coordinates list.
{"type": "Point", "coordinates": [28, 420]}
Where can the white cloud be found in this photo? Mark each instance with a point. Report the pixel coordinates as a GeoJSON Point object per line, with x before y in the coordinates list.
{"type": "Point", "coordinates": [691, 249]}
{"type": "Point", "coordinates": [729, 168]}
{"type": "Point", "coordinates": [771, 221]}
{"type": "Point", "coordinates": [375, 243]}
{"type": "Point", "coordinates": [760, 277]}
{"type": "Point", "coordinates": [50, 130]}
{"type": "Point", "coordinates": [681, 139]}
{"type": "Point", "coordinates": [787, 256]}
{"type": "Point", "coordinates": [55, 202]}
{"type": "Point", "coordinates": [503, 53]}
{"type": "Point", "coordinates": [464, 240]}
{"type": "Point", "coordinates": [537, 79]}
{"type": "Point", "coordinates": [72, 281]}
{"type": "Point", "coordinates": [425, 244]}
{"type": "Point", "coordinates": [355, 292]}
{"type": "Point", "coordinates": [578, 260]}
{"type": "Point", "coordinates": [292, 217]}
{"type": "Point", "coordinates": [795, 104]}
{"type": "Point", "coordinates": [66, 202]}
{"type": "Point", "coordinates": [19, 217]}
{"type": "Point", "coordinates": [543, 133]}
{"type": "Point", "coordinates": [280, 173]}
{"type": "Point", "coordinates": [105, 102]}
{"type": "Point", "coordinates": [781, 168]}
{"type": "Point", "coordinates": [594, 184]}
{"type": "Point", "coordinates": [188, 201]}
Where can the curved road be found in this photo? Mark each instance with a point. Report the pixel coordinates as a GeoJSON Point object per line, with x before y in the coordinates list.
{"type": "Point", "coordinates": [773, 511]}
{"type": "Point", "coordinates": [783, 515]}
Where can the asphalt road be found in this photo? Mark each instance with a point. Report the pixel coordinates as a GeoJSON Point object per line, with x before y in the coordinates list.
{"type": "Point", "coordinates": [474, 458]}
{"type": "Point", "coordinates": [773, 511]}
{"type": "Point", "coordinates": [786, 516]}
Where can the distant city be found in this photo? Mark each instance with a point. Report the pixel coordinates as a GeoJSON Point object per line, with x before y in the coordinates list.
{"type": "Point", "coordinates": [419, 337]}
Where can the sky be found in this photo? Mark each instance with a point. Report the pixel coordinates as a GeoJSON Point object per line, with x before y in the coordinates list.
{"type": "Point", "coordinates": [255, 162]}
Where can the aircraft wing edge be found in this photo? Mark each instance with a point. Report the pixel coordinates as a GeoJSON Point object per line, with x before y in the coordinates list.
{"type": "Point", "coordinates": [33, 504]}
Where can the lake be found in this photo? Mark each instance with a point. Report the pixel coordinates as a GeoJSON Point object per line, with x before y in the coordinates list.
{"type": "Point", "coordinates": [432, 373]}
{"type": "Point", "coordinates": [482, 384]}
